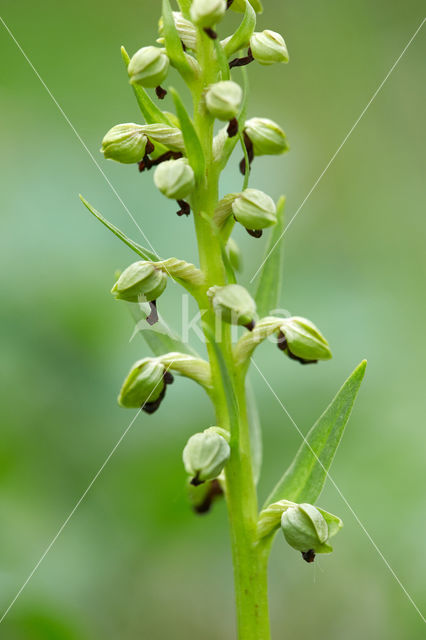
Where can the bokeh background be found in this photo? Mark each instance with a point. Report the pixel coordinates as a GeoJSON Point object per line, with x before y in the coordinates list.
{"type": "Point", "coordinates": [134, 562]}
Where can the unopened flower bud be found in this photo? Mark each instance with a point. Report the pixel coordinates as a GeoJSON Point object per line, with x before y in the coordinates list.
{"type": "Point", "coordinates": [268, 47]}
{"type": "Point", "coordinates": [234, 304]}
{"type": "Point", "coordinates": [144, 386]}
{"type": "Point", "coordinates": [140, 282]}
{"type": "Point", "coordinates": [205, 456]}
{"type": "Point", "coordinates": [306, 530]}
{"type": "Point", "coordinates": [303, 341]}
{"type": "Point", "coordinates": [206, 13]}
{"type": "Point", "coordinates": [174, 178]}
{"type": "Point", "coordinates": [148, 67]}
{"type": "Point", "coordinates": [186, 30]}
{"type": "Point", "coordinates": [223, 99]}
{"type": "Point", "coordinates": [266, 136]}
{"type": "Point", "coordinates": [254, 209]}
{"type": "Point", "coordinates": [125, 143]}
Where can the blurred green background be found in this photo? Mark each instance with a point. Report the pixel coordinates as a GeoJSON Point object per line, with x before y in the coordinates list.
{"type": "Point", "coordinates": [134, 562]}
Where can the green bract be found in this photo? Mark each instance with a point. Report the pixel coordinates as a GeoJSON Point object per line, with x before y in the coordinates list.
{"type": "Point", "coordinates": [205, 456]}
{"type": "Point", "coordinates": [187, 154]}
{"type": "Point", "coordinates": [266, 136]}
{"type": "Point", "coordinates": [125, 143]}
{"type": "Point", "coordinates": [144, 385]}
{"type": "Point", "coordinates": [206, 13]}
{"type": "Point", "coordinates": [304, 340]}
{"type": "Point", "coordinates": [234, 304]}
{"type": "Point", "coordinates": [140, 282]}
{"type": "Point", "coordinates": [174, 178]}
{"type": "Point", "coordinates": [254, 209]}
{"type": "Point", "coordinates": [148, 67]}
{"type": "Point", "coordinates": [268, 47]}
{"type": "Point", "coordinates": [223, 100]}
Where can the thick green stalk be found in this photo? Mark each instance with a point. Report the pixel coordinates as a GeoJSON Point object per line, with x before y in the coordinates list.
{"type": "Point", "coordinates": [249, 560]}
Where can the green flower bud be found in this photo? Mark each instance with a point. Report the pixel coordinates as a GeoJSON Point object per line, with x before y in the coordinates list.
{"type": "Point", "coordinates": [206, 13]}
{"type": "Point", "coordinates": [303, 341]}
{"type": "Point", "coordinates": [268, 47]}
{"type": "Point", "coordinates": [205, 456]}
{"type": "Point", "coordinates": [234, 304]}
{"type": "Point", "coordinates": [254, 209]}
{"type": "Point", "coordinates": [141, 282]}
{"type": "Point", "coordinates": [144, 386]}
{"type": "Point", "coordinates": [186, 30]}
{"type": "Point", "coordinates": [223, 100]}
{"type": "Point", "coordinates": [174, 178]}
{"type": "Point", "coordinates": [148, 67]}
{"type": "Point", "coordinates": [306, 530]}
{"type": "Point", "coordinates": [125, 143]}
{"type": "Point", "coordinates": [266, 137]}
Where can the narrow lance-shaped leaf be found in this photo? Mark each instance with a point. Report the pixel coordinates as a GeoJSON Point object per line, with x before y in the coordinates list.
{"type": "Point", "coordinates": [137, 248]}
{"type": "Point", "coordinates": [174, 45]}
{"type": "Point", "coordinates": [271, 277]}
{"type": "Point", "coordinates": [304, 479]}
{"type": "Point", "coordinates": [193, 146]}
{"type": "Point", "coordinates": [150, 111]}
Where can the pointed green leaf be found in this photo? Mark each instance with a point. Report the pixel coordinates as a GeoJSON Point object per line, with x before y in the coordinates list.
{"type": "Point", "coordinates": [242, 35]}
{"type": "Point", "coordinates": [159, 338]}
{"type": "Point", "coordinates": [137, 248]}
{"type": "Point", "coordinates": [304, 479]}
{"type": "Point", "coordinates": [271, 277]}
{"type": "Point", "coordinates": [174, 45]}
{"type": "Point", "coordinates": [150, 111]}
{"type": "Point", "coordinates": [194, 150]}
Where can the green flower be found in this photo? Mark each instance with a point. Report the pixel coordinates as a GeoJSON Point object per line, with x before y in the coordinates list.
{"type": "Point", "coordinates": [140, 282]}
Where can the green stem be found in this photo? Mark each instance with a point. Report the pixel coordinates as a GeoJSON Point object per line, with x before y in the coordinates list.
{"type": "Point", "coordinates": [249, 559]}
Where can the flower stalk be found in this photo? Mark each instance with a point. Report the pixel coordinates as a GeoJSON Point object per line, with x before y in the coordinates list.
{"type": "Point", "coordinates": [190, 153]}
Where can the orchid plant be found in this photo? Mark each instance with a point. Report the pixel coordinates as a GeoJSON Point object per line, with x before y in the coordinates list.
{"type": "Point", "coordinates": [188, 151]}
